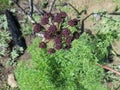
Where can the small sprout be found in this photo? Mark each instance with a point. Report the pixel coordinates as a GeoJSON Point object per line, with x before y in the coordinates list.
{"type": "Point", "coordinates": [42, 45]}
{"type": "Point", "coordinates": [36, 28]}
{"type": "Point", "coordinates": [51, 50]}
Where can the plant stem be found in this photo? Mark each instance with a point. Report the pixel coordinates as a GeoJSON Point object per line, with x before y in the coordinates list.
{"type": "Point", "coordinates": [31, 7]}
{"type": "Point", "coordinates": [110, 69]}
{"type": "Point", "coordinates": [51, 5]}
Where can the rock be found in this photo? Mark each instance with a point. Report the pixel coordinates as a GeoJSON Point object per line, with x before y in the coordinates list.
{"type": "Point", "coordinates": [116, 47]}
{"type": "Point", "coordinates": [97, 17]}
{"type": "Point", "coordinates": [11, 80]}
{"type": "Point", "coordinates": [116, 61]}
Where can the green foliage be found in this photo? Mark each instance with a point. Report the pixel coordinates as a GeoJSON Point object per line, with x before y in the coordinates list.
{"type": "Point", "coordinates": [3, 22]}
{"type": "Point", "coordinates": [4, 35]}
{"type": "Point", "coordinates": [36, 17]}
{"type": "Point", "coordinates": [14, 54]}
{"type": "Point", "coordinates": [4, 38]}
{"type": "Point", "coordinates": [107, 30]}
{"type": "Point", "coordinates": [116, 1]}
{"type": "Point", "coordinates": [75, 69]}
{"type": "Point", "coordinates": [109, 26]}
{"type": "Point", "coordinates": [65, 25]}
{"type": "Point", "coordinates": [65, 70]}
{"type": "Point", "coordinates": [4, 4]}
{"type": "Point", "coordinates": [27, 28]}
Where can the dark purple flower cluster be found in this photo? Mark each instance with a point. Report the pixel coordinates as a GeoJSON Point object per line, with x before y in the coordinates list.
{"type": "Point", "coordinates": [58, 40]}
{"type": "Point", "coordinates": [67, 47]}
{"type": "Point", "coordinates": [73, 22]}
{"type": "Point", "coordinates": [76, 35]}
{"type": "Point", "coordinates": [44, 20]}
{"type": "Point", "coordinates": [51, 32]}
{"type": "Point", "coordinates": [63, 14]}
{"type": "Point", "coordinates": [52, 29]}
{"type": "Point", "coordinates": [59, 17]}
{"type": "Point", "coordinates": [58, 46]}
{"type": "Point", "coordinates": [36, 28]}
{"type": "Point", "coordinates": [60, 36]}
{"type": "Point", "coordinates": [51, 50]}
{"type": "Point", "coordinates": [66, 32]}
{"type": "Point", "coordinates": [48, 35]}
{"type": "Point", "coordinates": [48, 15]}
{"type": "Point", "coordinates": [69, 40]}
{"type": "Point", "coordinates": [42, 45]}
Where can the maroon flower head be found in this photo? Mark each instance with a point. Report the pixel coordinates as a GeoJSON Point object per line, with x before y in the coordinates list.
{"type": "Point", "coordinates": [76, 35]}
{"type": "Point", "coordinates": [48, 35]}
{"type": "Point", "coordinates": [52, 28]}
{"type": "Point", "coordinates": [66, 32]}
{"type": "Point", "coordinates": [57, 18]}
{"type": "Point", "coordinates": [36, 28]}
{"type": "Point", "coordinates": [67, 47]}
{"type": "Point", "coordinates": [42, 45]}
{"type": "Point", "coordinates": [58, 40]}
{"type": "Point", "coordinates": [48, 15]}
{"type": "Point", "coordinates": [58, 46]}
{"type": "Point", "coordinates": [69, 40]}
{"type": "Point", "coordinates": [51, 50]}
{"type": "Point", "coordinates": [44, 20]}
{"type": "Point", "coordinates": [63, 14]}
{"type": "Point", "coordinates": [73, 22]}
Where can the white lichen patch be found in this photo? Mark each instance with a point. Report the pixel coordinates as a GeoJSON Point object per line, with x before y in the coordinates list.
{"type": "Point", "coordinates": [11, 80]}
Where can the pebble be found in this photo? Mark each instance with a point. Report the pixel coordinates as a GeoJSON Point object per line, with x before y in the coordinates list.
{"type": "Point", "coordinates": [97, 16]}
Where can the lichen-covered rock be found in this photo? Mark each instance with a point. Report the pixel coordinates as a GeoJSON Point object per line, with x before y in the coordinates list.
{"type": "Point", "coordinates": [11, 80]}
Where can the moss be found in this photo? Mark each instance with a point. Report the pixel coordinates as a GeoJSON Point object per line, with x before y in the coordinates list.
{"type": "Point", "coordinates": [4, 4]}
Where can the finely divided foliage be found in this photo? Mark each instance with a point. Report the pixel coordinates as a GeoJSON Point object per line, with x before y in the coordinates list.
{"type": "Point", "coordinates": [67, 70]}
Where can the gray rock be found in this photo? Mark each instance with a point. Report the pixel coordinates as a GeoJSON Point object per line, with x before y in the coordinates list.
{"type": "Point", "coordinates": [116, 46]}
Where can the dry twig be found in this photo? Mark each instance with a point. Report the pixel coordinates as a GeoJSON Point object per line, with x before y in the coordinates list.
{"type": "Point", "coordinates": [29, 16]}
{"type": "Point", "coordinates": [110, 69]}
{"type": "Point", "coordinates": [31, 7]}
{"type": "Point", "coordinates": [51, 5]}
